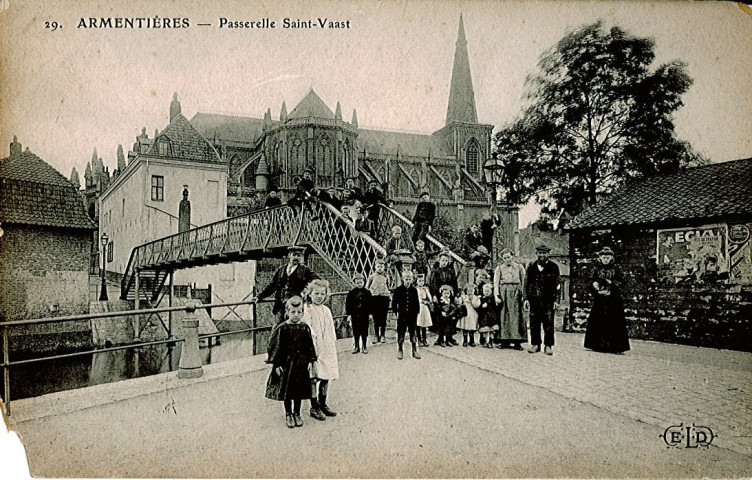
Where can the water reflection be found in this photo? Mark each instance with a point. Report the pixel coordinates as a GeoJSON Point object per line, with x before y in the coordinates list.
{"type": "Point", "coordinates": [51, 376]}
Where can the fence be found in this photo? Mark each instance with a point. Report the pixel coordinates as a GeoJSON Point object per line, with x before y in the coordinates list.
{"type": "Point", "coordinates": [189, 352]}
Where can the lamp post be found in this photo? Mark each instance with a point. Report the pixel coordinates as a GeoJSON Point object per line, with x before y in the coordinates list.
{"type": "Point", "coordinates": [103, 292]}
{"type": "Point", "coordinates": [493, 173]}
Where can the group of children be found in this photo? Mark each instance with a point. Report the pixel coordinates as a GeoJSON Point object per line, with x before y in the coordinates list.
{"type": "Point", "coordinates": [303, 354]}
{"type": "Point", "coordinates": [302, 349]}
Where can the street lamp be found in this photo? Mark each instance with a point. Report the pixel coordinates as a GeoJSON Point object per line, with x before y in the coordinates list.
{"type": "Point", "coordinates": [103, 292]}
{"type": "Point", "coordinates": [493, 174]}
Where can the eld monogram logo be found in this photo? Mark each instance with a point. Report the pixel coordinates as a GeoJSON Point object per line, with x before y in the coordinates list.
{"type": "Point", "coordinates": [690, 436]}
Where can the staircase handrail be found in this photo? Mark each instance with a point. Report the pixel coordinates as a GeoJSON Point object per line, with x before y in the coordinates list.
{"type": "Point", "coordinates": [429, 237]}
{"type": "Point", "coordinates": [351, 225]}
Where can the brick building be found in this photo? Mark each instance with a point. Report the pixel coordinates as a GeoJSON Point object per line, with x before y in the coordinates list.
{"type": "Point", "coordinates": [682, 242]}
{"type": "Point", "coordinates": [46, 245]}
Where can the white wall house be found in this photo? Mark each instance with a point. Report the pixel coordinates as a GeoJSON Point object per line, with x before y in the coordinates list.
{"type": "Point", "coordinates": [142, 203]}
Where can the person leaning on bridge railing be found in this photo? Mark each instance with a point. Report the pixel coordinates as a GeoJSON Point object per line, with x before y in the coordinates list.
{"type": "Point", "coordinates": [289, 280]}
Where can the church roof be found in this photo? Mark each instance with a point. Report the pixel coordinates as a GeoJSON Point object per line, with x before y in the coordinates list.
{"type": "Point", "coordinates": [311, 106]}
{"type": "Point", "coordinates": [34, 193]}
{"type": "Point", "coordinates": [228, 127]}
{"type": "Point", "coordinates": [461, 106]}
{"type": "Point", "coordinates": [186, 143]}
{"type": "Point", "coordinates": [389, 142]}
{"type": "Point", "coordinates": [710, 191]}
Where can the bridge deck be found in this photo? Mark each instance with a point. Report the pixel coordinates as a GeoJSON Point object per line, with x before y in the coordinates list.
{"type": "Point", "coordinates": [458, 412]}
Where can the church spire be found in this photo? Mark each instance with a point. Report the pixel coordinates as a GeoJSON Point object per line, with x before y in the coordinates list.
{"type": "Point", "coordinates": [461, 96]}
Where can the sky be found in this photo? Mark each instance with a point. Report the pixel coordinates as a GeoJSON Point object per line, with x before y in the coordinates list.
{"type": "Point", "coordinates": [69, 91]}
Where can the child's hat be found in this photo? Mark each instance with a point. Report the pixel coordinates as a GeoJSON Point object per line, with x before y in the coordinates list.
{"type": "Point", "coordinates": [358, 275]}
{"type": "Point", "coordinates": [380, 260]}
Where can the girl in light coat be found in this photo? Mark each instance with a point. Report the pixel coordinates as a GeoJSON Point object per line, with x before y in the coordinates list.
{"type": "Point", "coordinates": [319, 318]}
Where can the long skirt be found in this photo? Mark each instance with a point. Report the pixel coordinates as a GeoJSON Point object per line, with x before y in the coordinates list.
{"type": "Point", "coordinates": [606, 329]}
{"type": "Point", "coordinates": [511, 322]}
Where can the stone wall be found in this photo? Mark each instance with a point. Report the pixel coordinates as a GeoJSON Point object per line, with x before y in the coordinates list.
{"type": "Point", "coordinates": [711, 314]}
{"type": "Point", "coordinates": [44, 272]}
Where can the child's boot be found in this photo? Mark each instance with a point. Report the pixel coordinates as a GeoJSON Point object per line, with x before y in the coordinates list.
{"type": "Point", "coordinates": [416, 353]}
{"type": "Point", "coordinates": [464, 339]}
{"type": "Point", "coordinates": [315, 412]}
{"type": "Point", "coordinates": [472, 339]}
{"type": "Point", "coordinates": [325, 408]}
{"type": "Point", "coordinates": [400, 354]}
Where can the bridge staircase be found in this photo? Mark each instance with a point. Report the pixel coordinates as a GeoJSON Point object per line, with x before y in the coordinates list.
{"type": "Point", "coordinates": [264, 234]}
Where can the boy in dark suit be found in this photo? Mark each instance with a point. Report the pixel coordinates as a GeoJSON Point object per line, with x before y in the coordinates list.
{"type": "Point", "coordinates": [357, 308]}
{"type": "Point", "coordinates": [406, 304]}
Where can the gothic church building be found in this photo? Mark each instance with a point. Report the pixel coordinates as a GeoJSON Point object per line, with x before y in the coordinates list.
{"type": "Point", "coordinates": [265, 153]}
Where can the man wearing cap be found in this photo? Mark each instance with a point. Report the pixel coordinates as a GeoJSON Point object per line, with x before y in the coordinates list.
{"type": "Point", "coordinates": [305, 191]}
{"type": "Point", "coordinates": [288, 281]}
{"type": "Point", "coordinates": [352, 193]}
{"type": "Point", "coordinates": [541, 293]}
{"type": "Point", "coordinates": [473, 240]}
{"type": "Point", "coordinates": [330, 196]}
{"type": "Point", "coordinates": [425, 213]}
{"type": "Point", "coordinates": [371, 200]}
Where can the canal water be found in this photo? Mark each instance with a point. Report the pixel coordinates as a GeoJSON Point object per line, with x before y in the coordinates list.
{"type": "Point", "coordinates": [49, 376]}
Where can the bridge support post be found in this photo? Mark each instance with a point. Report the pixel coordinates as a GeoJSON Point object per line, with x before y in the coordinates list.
{"type": "Point", "coordinates": [136, 306]}
{"type": "Point", "coordinates": [190, 359]}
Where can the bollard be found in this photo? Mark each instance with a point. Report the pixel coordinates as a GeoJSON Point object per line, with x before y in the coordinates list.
{"type": "Point", "coordinates": [190, 360]}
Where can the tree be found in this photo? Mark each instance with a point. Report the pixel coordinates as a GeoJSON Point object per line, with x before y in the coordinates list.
{"type": "Point", "coordinates": [596, 117]}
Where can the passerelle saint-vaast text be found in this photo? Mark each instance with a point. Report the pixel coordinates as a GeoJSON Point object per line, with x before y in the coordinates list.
{"type": "Point", "coordinates": [158, 22]}
{"type": "Point", "coordinates": [321, 23]}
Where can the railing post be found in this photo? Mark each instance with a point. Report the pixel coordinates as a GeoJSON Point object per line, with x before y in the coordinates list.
{"type": "Point", "coordinates": [254, 324]}
{"type": "Point", "coordinates": [190, 360]}
{"type": "Point", "coordinates": [6, 372]}
{"type": "Point", "coordinates": [172, 294]}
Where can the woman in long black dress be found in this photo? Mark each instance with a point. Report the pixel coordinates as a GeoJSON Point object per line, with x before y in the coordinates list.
{"type": "Point", "coordinates": [606, 325]}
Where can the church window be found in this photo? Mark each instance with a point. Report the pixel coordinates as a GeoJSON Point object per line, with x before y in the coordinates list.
{"type": "Point", "coordinates": [110, 251]}
{"type": "Point", "coordinates": [346, 159]}
{"type": "Point", "coordinates": [472, 154]}
{"type": "Point", "coordinates": [297, 157]}
{"type": "Point", "coordinates": [157, 188]}
{"type": "Point", "coordinates": [324, 165]}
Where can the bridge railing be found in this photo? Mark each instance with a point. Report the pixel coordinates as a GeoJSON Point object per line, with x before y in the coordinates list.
{"type": "Point", "coordinates": [8, 364]}
{"type": "Point", "coordinates": [389, 217]}
{"type": "Point", "coordinates": [333, 236]}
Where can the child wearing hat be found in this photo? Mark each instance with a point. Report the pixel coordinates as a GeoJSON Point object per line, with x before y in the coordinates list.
{"type": "Point", "coordinates": [357, 308]}
{"type": "Point", "coordinates": [377, 285]}
{"type": "Point", "coordinates": [425, 213]}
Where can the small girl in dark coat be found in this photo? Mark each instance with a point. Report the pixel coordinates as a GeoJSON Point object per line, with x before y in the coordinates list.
{"type": "Point", "coordinates": [357, 308]}
{"type": "Point", "coordinates": [488, 314]}
{"type": "Point", "coordinates": [447, 314]}
{"type": "Point", "coordinates": [291, 352]}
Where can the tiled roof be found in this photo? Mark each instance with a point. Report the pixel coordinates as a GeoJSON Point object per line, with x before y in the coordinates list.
{"type": "Point", "coordinates": [383, 141]}
{"type": "Point", "coordinates": [34, 193]}
{"type": "Point", "coordinates": [228, 127]}
{"type": "Point", "coordinates": [709, 191]}
{"type": "Point", "coordinates": [311, 106]}
{"type": "Point", "coordinates": [186, 143]}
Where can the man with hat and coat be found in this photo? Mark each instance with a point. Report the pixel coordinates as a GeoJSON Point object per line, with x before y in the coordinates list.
{"type": "Point", "coordinates": [541, 293]}
{"type": "Point", "coordinates": [288, 281]}
{"type": "Point", "coordinates": [371, 200]}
